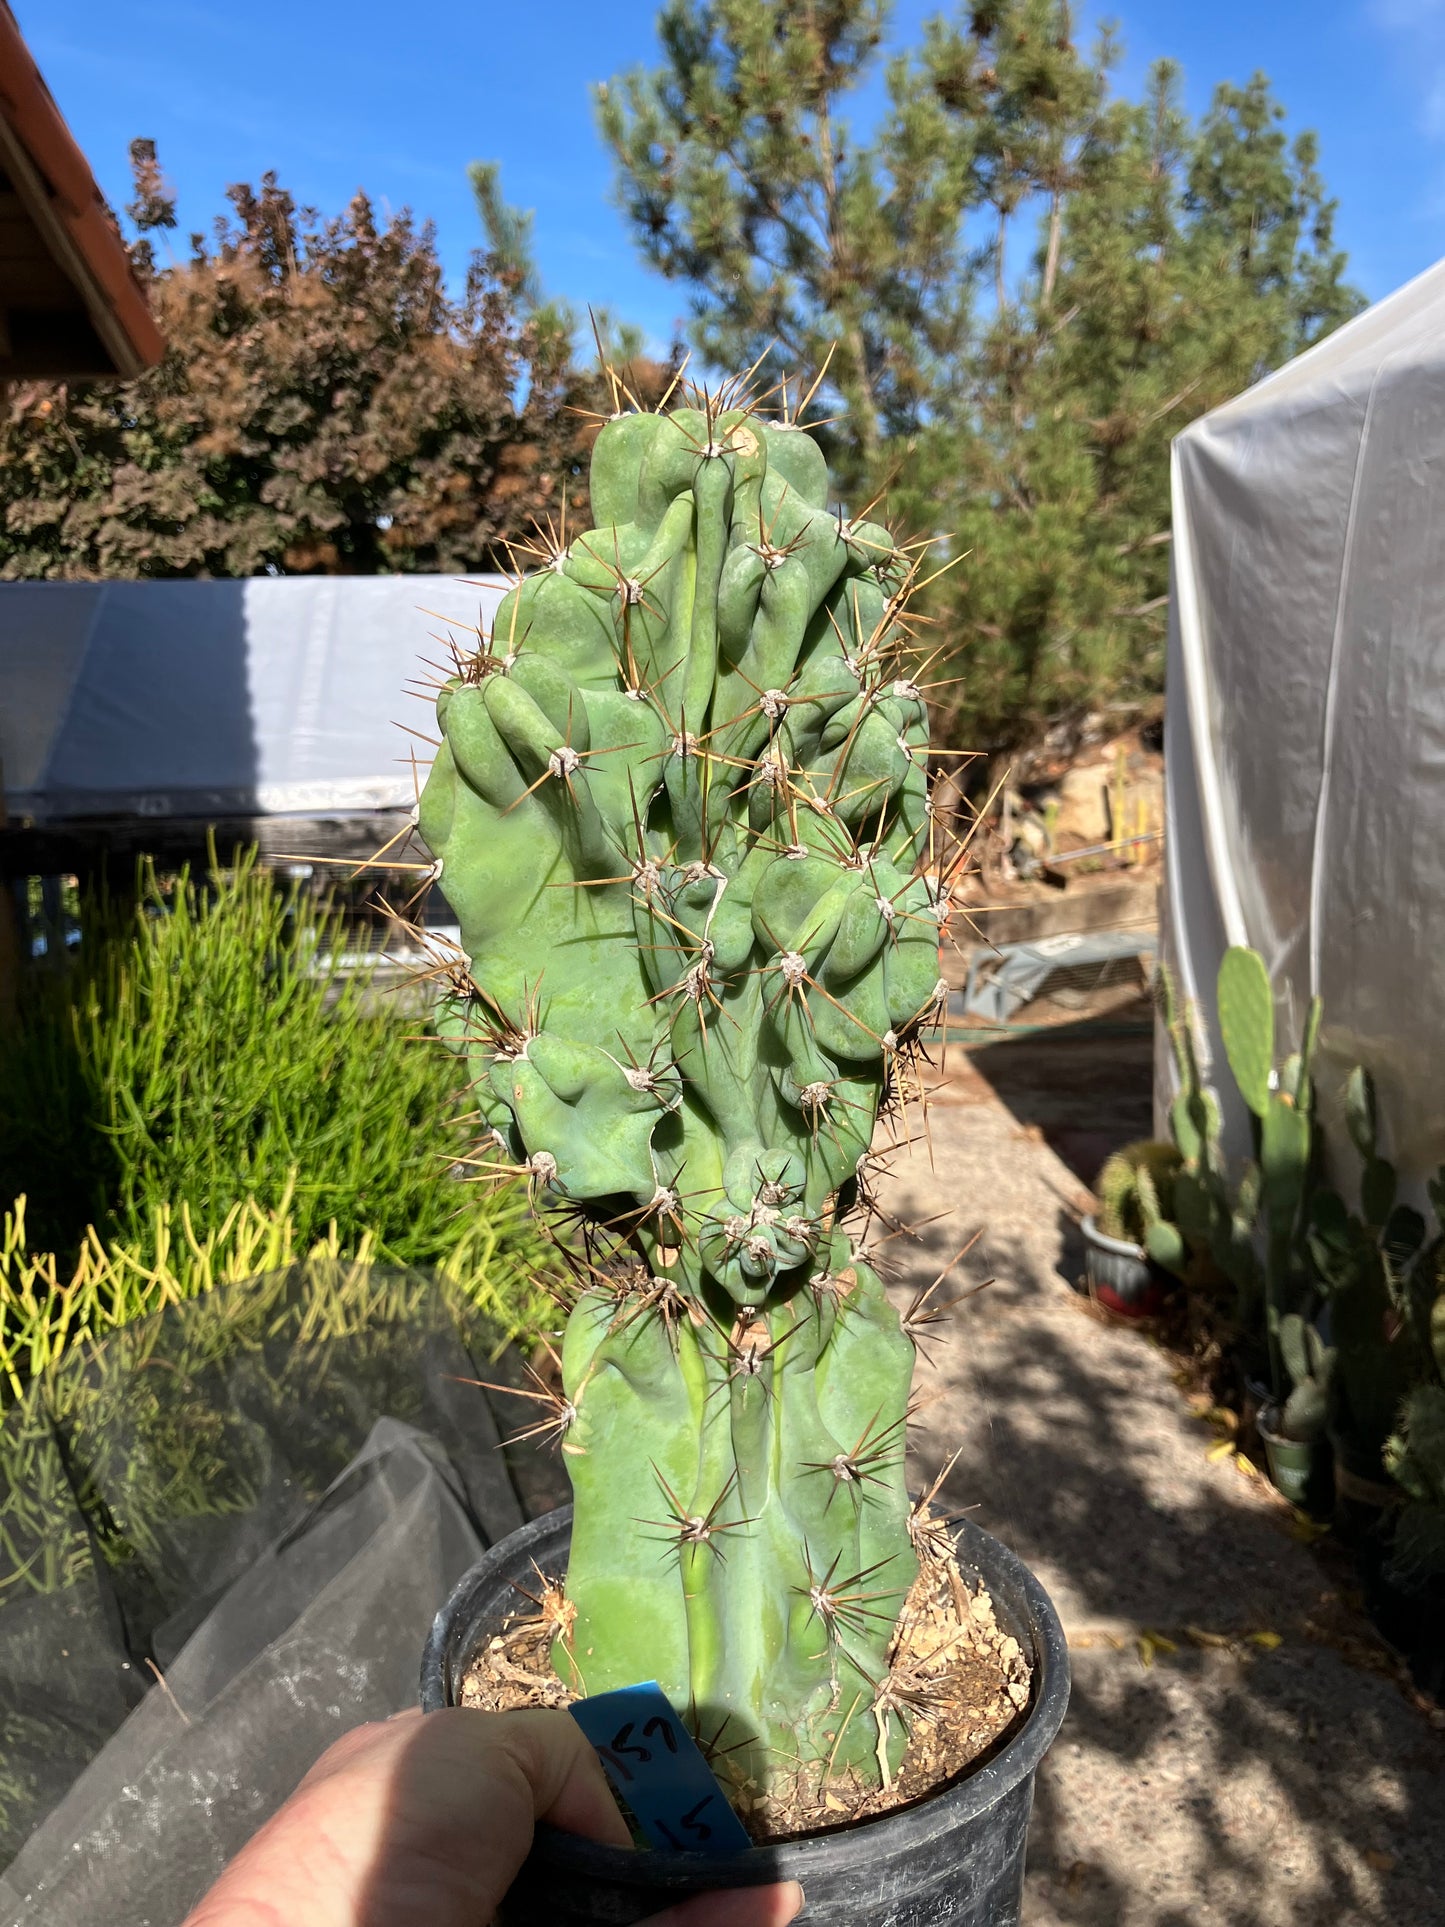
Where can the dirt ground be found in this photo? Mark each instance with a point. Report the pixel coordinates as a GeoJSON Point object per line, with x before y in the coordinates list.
{"type": "Point", "coordinates": [1238, 1751]}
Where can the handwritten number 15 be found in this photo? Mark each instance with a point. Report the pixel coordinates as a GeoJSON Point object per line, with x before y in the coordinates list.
{"type": "Point", "coordinates": [690, 1824]}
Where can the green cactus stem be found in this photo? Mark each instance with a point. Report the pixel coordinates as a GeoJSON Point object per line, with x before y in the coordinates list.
{"type": "Point", "coordinates": [1282, 1104]}
{"type": "Point", "coordinates": [1136, 1190]}
{"type": "Point", "coordinates": [1415, 1458]}
{"type": "Point", "coordinates": [1309, 1363]}
{"type": "Point", "coordinates": [1211, 1222]}
{"type": "Point", "coordinates": [1378, 1274]}
{"type": "Point", "coordinates": [680, 808]}
{"type": "Point", "coordinates": [1246, 1024]}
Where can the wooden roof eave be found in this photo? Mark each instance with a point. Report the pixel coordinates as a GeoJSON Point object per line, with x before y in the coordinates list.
{"type": "Point", "coordinates": [88, 314]}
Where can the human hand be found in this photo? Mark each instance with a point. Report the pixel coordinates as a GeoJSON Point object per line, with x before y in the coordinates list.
{"type": "Point", "coordinates": [424, 1820]}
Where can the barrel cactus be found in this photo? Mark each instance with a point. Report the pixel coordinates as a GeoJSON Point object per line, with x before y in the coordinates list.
{"type": "Point", "coordinates": [680, 809]}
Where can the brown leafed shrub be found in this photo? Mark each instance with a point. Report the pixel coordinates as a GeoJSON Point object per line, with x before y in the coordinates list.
{"type": "Point", "coordinates": [326, 406]}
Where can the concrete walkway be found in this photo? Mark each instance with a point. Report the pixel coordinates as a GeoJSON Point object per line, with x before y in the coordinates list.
{"type": "Point", "coordinates": [1208, 1779]}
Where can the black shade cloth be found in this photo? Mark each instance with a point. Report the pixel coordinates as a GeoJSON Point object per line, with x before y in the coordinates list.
{"type": "Point", "coordinates": [223, 1535]}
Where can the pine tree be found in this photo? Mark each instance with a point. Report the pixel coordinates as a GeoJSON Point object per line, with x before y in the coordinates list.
{"type": "Point", "coordinates": [740, 175]}
{"type": "Point", "coordinates": [1027, 286]}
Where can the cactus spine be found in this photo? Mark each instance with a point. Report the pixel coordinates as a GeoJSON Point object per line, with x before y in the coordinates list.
{"type": "Point", "coordinates": [677, 808]}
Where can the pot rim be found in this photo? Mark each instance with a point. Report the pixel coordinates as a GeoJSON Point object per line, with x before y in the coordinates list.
{"type": "Point", "coordinates": [1354, 1486]}
{"type": "Point", "coordinates": [1016, 1592]}
{"type": "Point", "coordinates": [1267, 1422]}
{"type": "Point", "coordinates": [1116, 1247]}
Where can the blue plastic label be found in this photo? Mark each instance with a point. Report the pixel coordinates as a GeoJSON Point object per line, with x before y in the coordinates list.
{"type": "Point", "coordinates": [655, 1764]}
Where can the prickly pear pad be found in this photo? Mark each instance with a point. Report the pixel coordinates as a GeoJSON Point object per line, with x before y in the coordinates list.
{"type": "Point", "coordinates": [680, 808]}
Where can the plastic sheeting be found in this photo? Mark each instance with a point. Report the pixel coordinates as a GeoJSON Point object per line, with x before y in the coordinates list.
{"type": "Point", "coordinates": [1305, 740]}
{"type": "Point", "coordinates": [222, 1542]}
{"type": "Point", "coordinates": [269, 696]}
{"type": "Point", "coordinates": [1003, 979]}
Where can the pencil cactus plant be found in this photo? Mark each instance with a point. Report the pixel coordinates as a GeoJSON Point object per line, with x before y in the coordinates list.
{"type": "Point", "coordinates": [679, 808]}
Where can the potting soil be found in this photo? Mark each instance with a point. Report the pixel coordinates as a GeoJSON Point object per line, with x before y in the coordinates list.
{"type": "Point", "coordinates": [959, 1684]}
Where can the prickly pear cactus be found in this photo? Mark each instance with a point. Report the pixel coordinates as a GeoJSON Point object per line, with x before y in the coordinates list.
{"type": "Point", "coordinates": [1209, 1219]}
{"type": "Point", "coordinates": [1282, 1103]}
{"type": "Point", "coordinates": [679, 809]}
{"type": "Point", "coordinates": [1246, 1023]}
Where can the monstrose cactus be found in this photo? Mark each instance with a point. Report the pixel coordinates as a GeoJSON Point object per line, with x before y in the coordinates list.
{"type": "Point", "coordinates": [681, 811]}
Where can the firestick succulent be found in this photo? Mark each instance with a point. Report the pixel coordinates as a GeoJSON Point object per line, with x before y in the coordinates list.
{"type": "Point", "coordinates": [680, 809]}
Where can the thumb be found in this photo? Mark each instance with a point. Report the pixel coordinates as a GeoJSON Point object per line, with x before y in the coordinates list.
{"type": "Point", "coordinates": [738, 1907]}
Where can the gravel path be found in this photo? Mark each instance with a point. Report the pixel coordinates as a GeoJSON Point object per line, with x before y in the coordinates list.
{"type": "Point", "coordinates": [1230, 1781]}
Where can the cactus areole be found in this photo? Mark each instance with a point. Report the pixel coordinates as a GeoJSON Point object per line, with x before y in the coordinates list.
{"type": "Point", "coordinates": [680, 808]}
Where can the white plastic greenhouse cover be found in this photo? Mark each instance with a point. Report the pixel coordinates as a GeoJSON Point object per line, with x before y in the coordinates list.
{"type": "Point", "coordinates": [266, 696]}
{"type": "Point", "coordinates": [1305, 740]}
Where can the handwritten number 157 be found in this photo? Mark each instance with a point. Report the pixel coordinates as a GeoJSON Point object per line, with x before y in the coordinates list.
{"type": "Point", "coordinates": [624, 1747]}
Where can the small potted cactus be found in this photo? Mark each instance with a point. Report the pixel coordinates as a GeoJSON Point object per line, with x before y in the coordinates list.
{"type": "Point", "coordinates": [1291, 1430]}
{"type": "Point", "coordinates": [681, 811]}
{"type": "Point", "coordinates": [1135, 1189]}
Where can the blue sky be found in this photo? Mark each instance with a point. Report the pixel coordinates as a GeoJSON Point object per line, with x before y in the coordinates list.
{"type": "Point", "coordinates": [397, 99]}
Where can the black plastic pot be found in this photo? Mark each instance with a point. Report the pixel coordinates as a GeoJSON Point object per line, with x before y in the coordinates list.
{"type": "Point", "coordinates": [1364, 1498]}
{"type": "Point", "coordinates": [955, 1858]}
